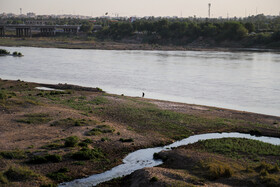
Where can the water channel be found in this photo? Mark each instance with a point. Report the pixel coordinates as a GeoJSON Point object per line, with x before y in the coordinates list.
{"type": "Point", "coordinates": [144, 158]}
{"type": "Point", "coordinates": [248, 81]}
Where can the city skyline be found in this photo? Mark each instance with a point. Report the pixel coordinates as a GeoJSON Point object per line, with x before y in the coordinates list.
{"type": "Point", "coordinates": [180, 8]}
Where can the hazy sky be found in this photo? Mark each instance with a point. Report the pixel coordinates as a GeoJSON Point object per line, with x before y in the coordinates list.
{"type": "Point", "coordinates": [186, 8]}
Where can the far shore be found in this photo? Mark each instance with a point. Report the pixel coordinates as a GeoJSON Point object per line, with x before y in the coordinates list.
{"type": "Point", "coordinates": [71, 43]}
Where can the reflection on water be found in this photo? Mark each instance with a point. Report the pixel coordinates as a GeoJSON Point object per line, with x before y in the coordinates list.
{"type": "Point", "coordinates": [247, 81]}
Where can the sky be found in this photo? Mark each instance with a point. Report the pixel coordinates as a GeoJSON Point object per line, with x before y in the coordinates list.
{"type": "Point", "coordinates": [184, 8]}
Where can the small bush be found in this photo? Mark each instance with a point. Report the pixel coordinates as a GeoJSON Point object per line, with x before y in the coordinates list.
{"type": "Point", "coordinates": [45, 159]}
{"type": "Point", "coordinates": [60, 175]}
{"type": "Point", "coordinates": [154, 179]}
{"type": "Point", "coordinates": [87, 140]}
{"type": "Point", "coordinates": [79, 163]}
{"type": "Point", "coordinates": [71, 141]}
{"type": "Point", "coordinates": [216, 170]}
{"type": "Point", "coordinates": [87, 154]}
{"type": "Point", "coordinates": [3, 179]}
{"type": "Point", "coordinates": [127, 140]}
{"type": "Point", "coordinates": [3, 96]}
{"type": "Point", "coordinates": [19, 174]}
{"type": "Point", "coordinates": [270, 180]}
{"type": "Point", "coordinates": [13, 154]}
{"type": "Point", "coordinates": [4, 52]}
{"type": "Point", "coordinates": [83, 144]}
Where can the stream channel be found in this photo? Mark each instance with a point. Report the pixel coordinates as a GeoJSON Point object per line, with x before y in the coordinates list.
{"type": "Point", "coordinates": [144, 158]}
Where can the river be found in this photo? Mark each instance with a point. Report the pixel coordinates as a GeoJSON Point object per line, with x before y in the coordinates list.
{"type": "Point", "coordinates": [248, 81]}
{"type": "Point", "coordinates": [144, 158]}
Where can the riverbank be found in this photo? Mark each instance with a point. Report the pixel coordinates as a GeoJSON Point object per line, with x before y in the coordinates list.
{"type": "Point", "coordinates": [51, 136]}
{"type": "Point", "coordinates": [91, 43]}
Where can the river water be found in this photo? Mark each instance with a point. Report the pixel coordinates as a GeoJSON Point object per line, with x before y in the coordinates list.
{"type": "Point", "coordinates": [144, 158]}
{"type": "Point", "coordinates": [248, 81]}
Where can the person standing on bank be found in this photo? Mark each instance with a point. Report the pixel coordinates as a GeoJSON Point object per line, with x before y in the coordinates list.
{"type": "Point", "coordinates": [143, 94]}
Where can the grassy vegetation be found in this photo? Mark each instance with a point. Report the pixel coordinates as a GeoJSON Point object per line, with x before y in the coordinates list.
{"type": "Point", "coordinates": [73, 122]}
{"type": "Point", "coordinates": [60, 175]}
{"type": "Point", "coordinates": [38, 159]}
{"type": "Point", "coordinates": [141, 118]}
{"type": "Point", "coordinates": [3, 179]}
{"type": "Point", "coordinates": [16, 154]}
{"type": "Point", "coordinates": [20, 174]}
{"type": "Point", "coordinates": [88, 154]}
{"type": "Point", "coordinates": [147, 117]}
{"type": "Point", "coordinates": [35, 118]}
{"type": "Point", "coordinates": [100, 129]}
{"type": "Point", "coordinates": [52, 146]}
{"type": "Point", "coordinates": [239, 147]}
{"type": "Point", "coordinates": [126, 140]}
{"type": "Point", "coordinates": [71, 141]}
{"type": "Point", "coordinates": [216, 169]}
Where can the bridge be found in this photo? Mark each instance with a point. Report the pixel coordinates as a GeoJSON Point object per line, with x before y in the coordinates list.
{"type": "Point", "coordinates": [25, 30]}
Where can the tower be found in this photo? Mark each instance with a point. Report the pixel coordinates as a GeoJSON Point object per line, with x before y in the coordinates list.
{"type": "Point", "coordinates": [20, 11]}
{"type": "Point", "coordinates": [209, 9]}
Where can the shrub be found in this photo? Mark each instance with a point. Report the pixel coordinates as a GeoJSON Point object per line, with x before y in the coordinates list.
{"type": "Point", "coordinates": [71, 141]}
{"type": "Point", "coordinates": [37, 159]}
{"type": "Point", "coordinates": [60, 175]}
{"type": "Point", "coordinates": [13, 154]}
{"type": "Point", "coordinates": [127, 140]}
{"type": "Point", "coordinates": [3, 179]}
{"type": "Point", "coordinates": [216, 170]}
{"type": "Point", "coordinates": [83, 144]}
{"type": "Point", "coordinates": [87, 154]}
{"type": "Point", "coordinates": [87, 140]}
{"type": "Point", "coordinates": [20, 174]}
{"type": "Point", "coordinates": [3, 96]}
{"type": "Point", "coordinates": [154, 179]}
{"type": "Point", "coordinates": [4, 52]}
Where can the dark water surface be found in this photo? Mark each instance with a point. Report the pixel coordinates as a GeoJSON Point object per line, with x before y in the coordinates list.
{"type": "Point", "coordinates": [248, 81]}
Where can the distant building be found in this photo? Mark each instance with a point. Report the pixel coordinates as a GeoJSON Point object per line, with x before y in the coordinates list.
{"type": "Point", "coordinates": [31, 15]}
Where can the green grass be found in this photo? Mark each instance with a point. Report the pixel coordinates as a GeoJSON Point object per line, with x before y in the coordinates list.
{"type": "Point", "coordinates": [239, 147]}
{"type": "Point", "coordinates": [98, 100]}
{"type": "Point", "coordinates": [16, 154]}
{"type": "Point", "coordinates": [35, 118]}
{"type": "Point", "coordinates": [144, 117]}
